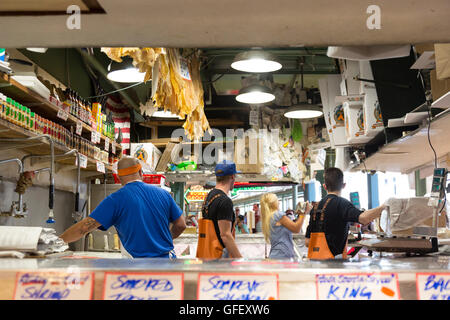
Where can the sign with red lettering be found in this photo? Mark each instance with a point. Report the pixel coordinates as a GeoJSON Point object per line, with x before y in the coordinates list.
{"type": "Point", "coordinates": [143, 286]}
{"type": "Point", "coordinates": [49, 285]}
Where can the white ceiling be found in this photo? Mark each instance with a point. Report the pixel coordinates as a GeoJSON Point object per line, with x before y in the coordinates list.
{"type": "Point", "coordinates": [235, 23]}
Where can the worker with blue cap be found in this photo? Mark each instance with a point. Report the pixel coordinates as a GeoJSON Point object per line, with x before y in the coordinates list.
{"type": "Point", "coordinates": [217, 226]}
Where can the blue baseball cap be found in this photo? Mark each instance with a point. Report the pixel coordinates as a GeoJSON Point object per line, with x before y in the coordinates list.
{"type": "Point", "coordinates": [226, 168]}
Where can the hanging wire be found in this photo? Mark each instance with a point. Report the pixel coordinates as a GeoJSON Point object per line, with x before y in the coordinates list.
{"type": "Point", "coordinates": [118, 90]}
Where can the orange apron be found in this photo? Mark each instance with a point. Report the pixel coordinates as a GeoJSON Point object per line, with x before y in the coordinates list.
{"type": "Point", "coordinates": [318, 247]}
{"type": "Point", "coordinates": [209, 245]}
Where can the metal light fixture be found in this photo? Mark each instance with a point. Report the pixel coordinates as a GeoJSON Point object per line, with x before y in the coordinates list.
{"type": "Point", "coordinates": [304, 111]}
{"type": "Point", "coordinates": [255, 94]}
{"type": "Point", "coordinates": [256, 61]}
{"type": "Point", "coordinates": [124, 72]}
{"type": "Point", "coordinates": [165, 114]}
{"type": "Point", "coordinates": [38, 50]}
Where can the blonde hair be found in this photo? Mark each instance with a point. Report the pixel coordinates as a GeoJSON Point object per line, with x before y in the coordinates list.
{"type": "Point", "coordinates": [269, 205]}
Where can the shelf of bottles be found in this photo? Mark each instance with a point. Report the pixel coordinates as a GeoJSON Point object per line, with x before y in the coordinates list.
{"type": "Point", "coordinates": [22, 117]}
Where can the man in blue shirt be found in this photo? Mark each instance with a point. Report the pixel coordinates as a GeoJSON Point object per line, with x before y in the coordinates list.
{"type": "Point", "coordinates": [141, 214]}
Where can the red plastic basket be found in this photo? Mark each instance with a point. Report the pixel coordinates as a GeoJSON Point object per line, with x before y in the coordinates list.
{"type": "Point", "coordinates": [154, 179]}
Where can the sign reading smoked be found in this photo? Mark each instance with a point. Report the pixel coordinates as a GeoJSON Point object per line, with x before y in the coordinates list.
{"type": "Point", "coordinates": [143, 286]}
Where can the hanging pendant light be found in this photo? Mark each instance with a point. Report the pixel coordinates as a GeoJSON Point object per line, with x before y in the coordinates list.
{"type": "Point", "coordinates": [304, 111]}
{"type": "Point", "coordinates": [124, 72]}
{"type": "Point", "coordinates": [165, 114]}
{"type": "Point", "coordinates": [256, 61]}
{"type": "Point", "coordinates": [255, 94]}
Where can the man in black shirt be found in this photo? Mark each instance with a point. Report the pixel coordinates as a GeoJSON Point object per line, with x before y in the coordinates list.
{"type": "Point", "coordinates": [221, 209]}
{"type": "Point", "coordinates": [339, 213]}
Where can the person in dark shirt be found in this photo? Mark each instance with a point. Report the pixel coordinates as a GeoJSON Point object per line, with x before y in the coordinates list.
{"type": "Point", "coordinates": [339, 213]}
{"type": "Point", "coordinates": [221, 209]}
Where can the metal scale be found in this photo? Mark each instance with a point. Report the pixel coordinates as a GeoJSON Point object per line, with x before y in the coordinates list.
{"type": "Point", "coordinates": [424, 239]}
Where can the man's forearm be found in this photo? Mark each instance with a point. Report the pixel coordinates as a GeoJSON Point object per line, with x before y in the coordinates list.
{"type": "Point", "coordinates": [231, 246]}
{"type": "Point", "coordinates": [80, 229]}
{"type": "Point", "coordinates": [369, 215]}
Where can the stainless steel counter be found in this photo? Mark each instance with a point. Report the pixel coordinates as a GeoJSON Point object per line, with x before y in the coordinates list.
{"type": "Point", "coordinates": [297, 278]}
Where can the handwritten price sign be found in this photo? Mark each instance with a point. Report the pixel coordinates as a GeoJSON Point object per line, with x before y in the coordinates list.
{"type": "Point", "coordinates": [233, 286]}
{"type": "Point", "coordinates": [143, 286]}
{"type": "Point", "coordinates": [357, 286]}
{"type": "Point", "coordinates": [433, 286]}
{"type": "Point", "coordinates": [54, 286]}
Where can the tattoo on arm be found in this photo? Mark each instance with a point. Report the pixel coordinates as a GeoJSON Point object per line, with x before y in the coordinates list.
{"type": "Point", "coordinates": [87, 225]}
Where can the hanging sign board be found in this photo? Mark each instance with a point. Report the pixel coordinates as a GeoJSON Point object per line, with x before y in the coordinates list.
{"type": "Point", "coordinates": [143, 286]}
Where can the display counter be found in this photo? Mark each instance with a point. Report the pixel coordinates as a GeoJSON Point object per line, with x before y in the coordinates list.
{"type": "Point", "coordinates": [396, 276]}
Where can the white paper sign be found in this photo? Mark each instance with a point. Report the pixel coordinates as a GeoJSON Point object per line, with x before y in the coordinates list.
{"type": "Point", "coordinates": [143, 286]}
{"type": "Point", "coordinates": [114, 167]}
{"type": "Point", "coordinates": [54, 286]}
{"type": "Point", "coordinates": [95, 137]}
{"type": "Point", "coordinates": [433, 286]}
{"type": "Point", "coordinates": [83, 161]}
{"type": "Point", "coordinates": [79, 128]}
{"type": "Point", "coordinates": [357, 286]}
{"type": "Point", "coordinates": [62, 114]}
{"type": "Point", "coordinates": [113, 148]}
{"type": "Point", "coordinates": [106, 144]}
{"type": "Point", "coordinates": [237, 286]}
{"type": "Point", "coordinates": [184, 69]}
{"type": "Point", "coordinates": [100, 167]}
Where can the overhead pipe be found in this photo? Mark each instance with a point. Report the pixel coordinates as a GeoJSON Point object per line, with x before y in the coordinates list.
{"type": "Point", "coordinates": [20, 210]}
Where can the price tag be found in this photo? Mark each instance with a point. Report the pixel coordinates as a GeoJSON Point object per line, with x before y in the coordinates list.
{"type": "Point", "coordinates": [83, 161]}
{"type": "Point", "coordinates": [95, 137]}
{"type": "Point", "coordinates": [357, 286]}
{"type": "Point", "coordinates": [235, 286]}
{"type": "Point", "coordinates": [100, 167]}
{"type": "Point", "coordinates": [184, 69]}
{"type": "Point", "coordinates": [62, 114]}
{"type": "Point", "coordinates": [143, 286]}
{"type": "Point", "coordinates": [106, 144]}
{"type": "Point", "coordinates": [113, 148]}
{"type": "Point", "coordinates": [433, 286]}
{"type": "Point", "coordinates": [79, 128]}
{"type": "Point", "coordinates": [73, 285]}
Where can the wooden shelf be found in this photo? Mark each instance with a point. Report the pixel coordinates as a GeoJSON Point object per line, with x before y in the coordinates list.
{"type": "Point", "coordinates": [43, 107]}
{"type": "Point", "coordinates": [10, 130]}
{"type": "Point", "coordinates": [204, 176]}
{"type": "Point", "coordinates": [412, 151]}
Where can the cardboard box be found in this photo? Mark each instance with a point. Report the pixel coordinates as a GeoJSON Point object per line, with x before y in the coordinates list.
{"type": "Point", "coordinates": [173, 147]}
{"type": "Point", "coordinates": [438, 87]}
{"type": "Point", "coordinates": [147, 153]}
{"type": "Point", "coordinates": [248, 154]}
